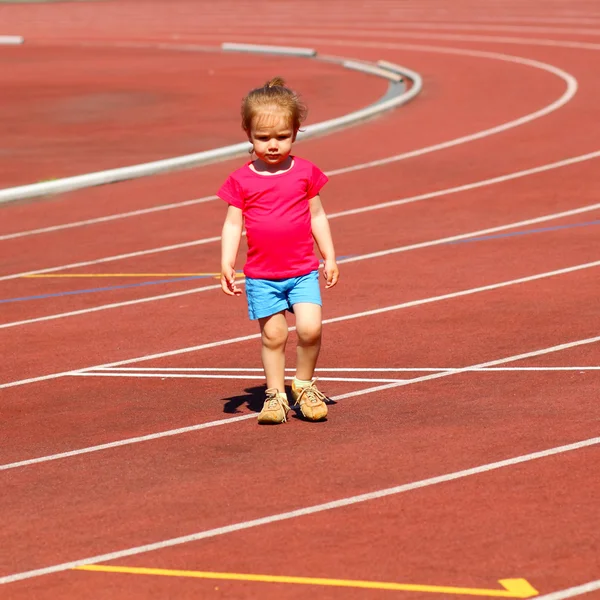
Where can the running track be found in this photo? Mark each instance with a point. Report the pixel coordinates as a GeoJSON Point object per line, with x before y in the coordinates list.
{"type": "Point", "coordinates": [460, 347]}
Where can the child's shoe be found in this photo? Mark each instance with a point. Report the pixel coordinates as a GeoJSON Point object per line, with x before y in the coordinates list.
{"type": "Point", "coordinates": [310, 399]}
{"type": "Point", "coordinates": [275, 408]}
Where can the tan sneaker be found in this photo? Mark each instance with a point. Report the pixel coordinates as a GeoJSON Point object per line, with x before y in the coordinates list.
{"type": "Point", "coordinates": [311, 400]}
{"type": "Point", "coordinates": [275, 408]}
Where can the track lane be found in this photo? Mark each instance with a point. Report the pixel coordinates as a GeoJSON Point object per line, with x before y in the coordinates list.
{"type": "Point", "coordinates": [100, 410]}
{"type": "Point", "coordinates": [520, 538]}
{"type": "Point", "coordinates": [111, 499]}
{"type": "Point", "coordinates": [92, 337]}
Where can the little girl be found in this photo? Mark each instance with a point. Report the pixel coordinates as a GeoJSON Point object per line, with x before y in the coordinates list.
{"type": "Point", "coordinates": [277, 198]}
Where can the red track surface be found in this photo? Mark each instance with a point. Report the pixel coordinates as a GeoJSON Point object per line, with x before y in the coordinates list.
{"type": "Point", "coordinates": [438, 305]}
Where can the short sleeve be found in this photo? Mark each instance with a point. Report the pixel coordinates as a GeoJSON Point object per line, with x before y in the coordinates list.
{"type": "Point", "coordinates": [317, 179]}
{"type": "Point", "coordinates": [231, 192]}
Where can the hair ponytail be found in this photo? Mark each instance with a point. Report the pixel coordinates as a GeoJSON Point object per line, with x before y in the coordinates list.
{"type": "Point", "coordinates": [275, 82]}
{"type": "Point", "coordinates": [273, 94]}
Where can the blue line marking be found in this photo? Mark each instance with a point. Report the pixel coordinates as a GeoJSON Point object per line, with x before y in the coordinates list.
{"type": "Point", "coordinates": [104, 289]}
{"type": "Point", "coordinates": [526, 232]}
{"type": "Point", "coordinates": [116, 287]}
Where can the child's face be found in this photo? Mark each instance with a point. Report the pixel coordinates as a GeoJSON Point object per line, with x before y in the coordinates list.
{"type": "Point", "coordinates": [272, 136]}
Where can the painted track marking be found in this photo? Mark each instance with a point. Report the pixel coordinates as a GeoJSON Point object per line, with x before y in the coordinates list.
{"type": "Point", "coordinates": [300, 512]}
{"type": "Point", "coordinates": [462, 37]}
{"type": "Point", "coordinates": [377, 311]}
{"type": "Point", "coordinates": [107, 218]}
{"type": "Point", "coordinates": [378, 388]}
{"type": "Point", "coordinates": [335, 369]}
{"type": "Point", "coordinates": [571, 592]}
{"type": "Point", "coordinates": [420, 245]}
{"type": "Point", "coordinates": [161, 375]}
{"type": "Point", "coordinates": [513, 588]}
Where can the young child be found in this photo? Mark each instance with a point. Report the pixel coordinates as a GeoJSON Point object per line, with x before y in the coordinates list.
{"type": "Point", "coordinates": [276, 197]}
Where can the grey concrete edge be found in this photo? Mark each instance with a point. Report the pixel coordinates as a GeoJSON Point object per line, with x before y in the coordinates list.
{"type": "Point", "coordinates": [226, 152]}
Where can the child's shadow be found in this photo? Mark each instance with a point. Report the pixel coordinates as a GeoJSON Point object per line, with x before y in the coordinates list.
{"type": "Point", "coordinates": [254, 398]}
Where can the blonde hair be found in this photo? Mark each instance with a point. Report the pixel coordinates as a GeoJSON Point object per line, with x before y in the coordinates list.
{"type": "Point", "coordinates": [273, 93]}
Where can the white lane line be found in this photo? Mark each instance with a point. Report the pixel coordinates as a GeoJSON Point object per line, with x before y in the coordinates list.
{"type": "Point", "coordinates": [396, 20]}
{"type": "Point", "coordinates": [354, 211]}
{"type": "Point", "coordinates": [542, 369]}
{"type": "Point", "coordinates": [370, 390]}
{"type": "Point", "coordinates": [373, 207]}
{"type": "Point", "coordinates": [329, 370]}
{"type": "Point", "coordinates": [519, 41]}
{"type": "Point", "coordinates": [378, 254]}
{"type": "Point", "coordinates": [126, 442]}
{"type": "Point", "coordinates": [159, 435]}
{"type": "Point", "coordinates": [171, 375]}
{"type": "Point", "coordinates": [566, 97]}
{"type": "Point", "coordinates": [399, 25]}
{"type": "Point", "coordinates": [571, 592]}
{"type": "Point", "coordinates": [97, 261]}
{"type": "Point", "coordinates": [304, 511]}
{"type": "Point", "coordinates": [105, 219]}
{"type": "Point", "coordinates": [485, 183]}
{"type": "Point", "coordinates": [348, 317]}
{"type": "Point", "coordinates": [326, 32]}
{"type": "Point", "coordinates": [85, 311]}
{"type": "Point", "coordinates": [463, 26]}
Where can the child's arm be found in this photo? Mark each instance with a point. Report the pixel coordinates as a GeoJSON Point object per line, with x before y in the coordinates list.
{"type": "Point", "coordinates": [230, 243]}
{"type": "Point", "coordinates": [322, 234]}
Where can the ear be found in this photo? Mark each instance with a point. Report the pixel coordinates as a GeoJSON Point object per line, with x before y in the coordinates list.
{"type": "Point", "coordinates": [295, 134]}
{"type": "Point", "coordinates": [251, 149]}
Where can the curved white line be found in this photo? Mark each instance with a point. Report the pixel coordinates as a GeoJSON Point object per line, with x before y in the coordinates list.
{"type": "Point", "coordinates": [95, 178]}
{"type": "Point", "coordinates": [572, 592]}
{"type": "Point", "coordinates": [508, 28]}
{"type": "Point", "coordinates": [566, 97]}
{"type": "Point", "coordinates": [399, 25]}
{"type": "Point", "coordinates": [462, 37]}
{"type": "Point", "coordinates": [465, 26]}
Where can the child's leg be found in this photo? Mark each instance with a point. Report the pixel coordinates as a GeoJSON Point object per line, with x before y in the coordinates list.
{"type": "Point", "coordinates": [308, 328]}
{"type": "Point", "coordinates": [274, 331]}
{"type": "Point", "coordinates": [304, 391]}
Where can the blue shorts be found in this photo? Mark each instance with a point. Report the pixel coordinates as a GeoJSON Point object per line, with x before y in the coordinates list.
{"type": "Point", "coordinates": [269, 296]}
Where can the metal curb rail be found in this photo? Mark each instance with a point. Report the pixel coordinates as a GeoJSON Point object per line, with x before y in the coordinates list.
{"type": "Point", "coordinates": [11, 40]}
{"type": "Point", "coordinates": [396, 96]}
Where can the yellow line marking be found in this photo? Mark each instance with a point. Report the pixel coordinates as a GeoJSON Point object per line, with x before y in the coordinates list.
{"type": "Point", "coordinates": [513, 588]}
{"type": "Point", "coordinates": [48, 275]}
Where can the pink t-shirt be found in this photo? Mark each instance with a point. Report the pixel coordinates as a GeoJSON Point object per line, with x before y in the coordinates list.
{"type": "Point", "coordinates": [277, 218]}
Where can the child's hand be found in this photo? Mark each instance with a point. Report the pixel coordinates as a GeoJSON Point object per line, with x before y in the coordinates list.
{"type": "Point", "coordinates": [331, 273]}
{"type": "Point", "coordinates": [228, 284]}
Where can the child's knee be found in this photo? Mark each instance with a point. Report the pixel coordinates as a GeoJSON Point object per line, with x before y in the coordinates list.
{"type": "Point", "coordinates": [309, 334]}
{"type": "Point", "coordinates": [274, 335]}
